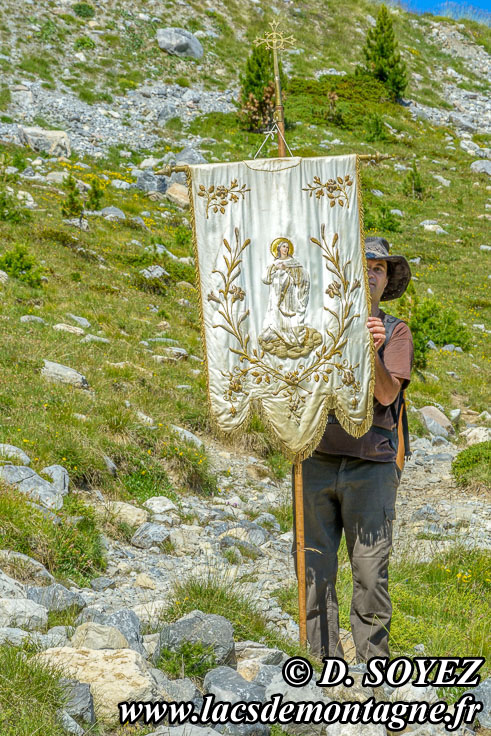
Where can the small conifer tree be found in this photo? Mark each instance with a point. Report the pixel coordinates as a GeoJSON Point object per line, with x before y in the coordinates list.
{"type": "Point", "coordinates": [95, 195]}
{"type": "Point", "coordinates": [412, 185]}
{"type": "Point", "coordinates": [382, 58]}
{"type": "Point", "coordinates": [257, 89]}
{"type": "Point", "coordinates": [73, 205]}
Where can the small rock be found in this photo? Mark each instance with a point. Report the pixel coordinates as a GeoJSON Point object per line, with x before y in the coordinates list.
{"type": "Point", "coordinates": [187, 436]}
{"type": "Point", "coordinates": [63, 374]}
{"type": "Point", "coordinates": [33, 318]}
{"type": "Point", "coordinates": [14, 453]}
{"type": "Point", "coordinates": [209, 629]}
{"type": "Point", "coordinates": [179, 42]}
{"type": "Point", "coordinates": [98, 636]}
{"type": "Point", "coordinates": [55, 597]}
{"type": "Point", "coordinates": [59, 477]}
{"type": "Point", "coordinates": [178, 195]}
{"type": "Point", "coordinates": [159, 505]}
{"type": "Point", "coordinates": [81, 321]}
{"type": "Point", "coordinates": [22, 613]}
{"type": "Point", "coordinates": [436, 421]}
{"type": "Point", "coordinates": [149, 534]}
{"type": "Point", "coordinates": [127, 513]}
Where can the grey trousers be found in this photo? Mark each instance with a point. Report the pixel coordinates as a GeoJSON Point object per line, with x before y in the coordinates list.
{"type": "Point", "coordinates": [358, 496]}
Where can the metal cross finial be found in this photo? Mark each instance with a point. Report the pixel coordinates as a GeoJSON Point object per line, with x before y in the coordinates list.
{"type": "Point", "coordinates": [276, 41]}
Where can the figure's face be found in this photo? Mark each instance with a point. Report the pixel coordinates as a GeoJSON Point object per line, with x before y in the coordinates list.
{"type": "Point", "coordinates": [284, 250]}
{"type": "Point", "coordinates": [377, 277]}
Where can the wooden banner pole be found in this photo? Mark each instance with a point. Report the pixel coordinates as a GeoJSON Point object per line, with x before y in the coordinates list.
{"type": "Point", "coordinates": [300, 549]}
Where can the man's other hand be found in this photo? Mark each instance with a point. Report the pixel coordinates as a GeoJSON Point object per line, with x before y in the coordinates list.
{"type": "Point", "coordinates": [377, 331]}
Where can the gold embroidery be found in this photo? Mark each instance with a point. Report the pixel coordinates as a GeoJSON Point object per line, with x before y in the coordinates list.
{"type": "Point", "coordinates": [253, 366]}
{"type": "Point", "coordinates": [216, 197]}
{"type": "Point", "coordinates": [336, 190]}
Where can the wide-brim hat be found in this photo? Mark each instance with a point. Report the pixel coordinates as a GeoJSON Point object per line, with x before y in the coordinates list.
{"type": "Point", "coordinates": [400, 272]}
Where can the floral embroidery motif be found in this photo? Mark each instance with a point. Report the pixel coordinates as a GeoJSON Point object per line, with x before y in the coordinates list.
{"type": "Point", "coordinates": [336, 190]}
{"type": "Point", "coordinates": [254, 365]}
{"type": "Point", "coordinates": [217, 198]}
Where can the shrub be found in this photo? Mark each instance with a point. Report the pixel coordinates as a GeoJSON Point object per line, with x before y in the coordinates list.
{"type": "Point", "coordinates": [73, 205]}
{"type": "Point", "coordinates": [83, 10]}
{"type": "Point", "coordinates": [190, 659]}
{"type": "Point", "coordinates": [412, 185]}
{"type": "Point", "coordinates": [472, 466]}
{"type": "Point", "coordinates": [95, 195]}
{"type": "Point", "coordinates": [20, 264]}
{"type": "Point", "coordinates": [428, 320]}
{"type": "Point", "coordinates": [11, 210]}
{"type": "Point", "coordinates": [84, 43]}
{"type": "Point", "coordinates": [382, 57]}
{"type": "Point", "coordinates": [376, 130]}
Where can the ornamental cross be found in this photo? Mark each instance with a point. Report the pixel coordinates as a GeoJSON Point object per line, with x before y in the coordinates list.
{"type": "Point", "coordinates": [276, 41]}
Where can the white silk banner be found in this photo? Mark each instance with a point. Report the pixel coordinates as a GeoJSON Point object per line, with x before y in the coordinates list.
{"type": "Point", "coordinates": [284, 295]}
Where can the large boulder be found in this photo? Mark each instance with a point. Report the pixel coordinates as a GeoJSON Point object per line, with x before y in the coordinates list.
{"type": "Point", "coordinates": [27, 481]}
{"type": "Point", "coordinates": [54, 142]}
{"type": "Point", "coordinates": [179, 42]}
{"type": "Point", "coordinates": [306, 693]}
{"type": "Point", "coordinates": [114, 676]}
{"type": "Point", "coordinates": [59, 477]}
{"type": "Point", "coordinates": [147, 181]}
{"type": "Point", "coordinates": [209, 629]}
{"type": "Point", "coordinates": [25, 567]}
{"type": "Point", "coordinates": [228, 686]}
{"type": "Point", "coordinates": [190, 156]}
{"type": "Point", "coordinates": [10, 588]}
{"type": "Point", "coordinates": [127, 513]}
{"type": "Point", "coordinates": [125, 620]}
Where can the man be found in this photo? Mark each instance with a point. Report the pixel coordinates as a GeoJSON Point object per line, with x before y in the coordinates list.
{"type": "Point", "coordinates": [351, 484]}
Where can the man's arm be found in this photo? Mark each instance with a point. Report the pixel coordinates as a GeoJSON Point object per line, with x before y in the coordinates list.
{"type": "Point", "coordinates": [387, 386]}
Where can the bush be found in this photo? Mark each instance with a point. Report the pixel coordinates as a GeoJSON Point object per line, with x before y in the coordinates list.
{"type": "Point", "coordinates": [376, 130]}
{"type": "Point", "coordinates": [95, 195]}
{"type": "Point", "coordinates": [84, 43]}
{"type": "Point", "coordinates": [190, 659]}
{"type": "Point", "coordinates": [412, 185]}
{"type": "Point", "coordinates": [11, 210]}
{"type": "Point", "coordinates": [73, 205]}
{"type": "Point", "coordinates": [83, 10]}
{"type": "Point", "coordinates": [428, 320]}
{"type": "Point", "coordinates": [472, 466]}
{"type": "Point", "coordinates": [20, 264]}
{"type": "Point", "coordinates": [382, 57]}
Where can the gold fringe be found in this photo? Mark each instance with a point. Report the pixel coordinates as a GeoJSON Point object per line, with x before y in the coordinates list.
{"type": "Point", "coordinates": [255, 406]}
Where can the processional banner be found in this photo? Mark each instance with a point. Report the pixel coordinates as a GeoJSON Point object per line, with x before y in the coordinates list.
{"type": "Point", "coordinates": [284, 295]}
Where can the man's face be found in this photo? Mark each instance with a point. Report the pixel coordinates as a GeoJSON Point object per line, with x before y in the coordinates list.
{"type": "Point", "coordinates": [377, 277]}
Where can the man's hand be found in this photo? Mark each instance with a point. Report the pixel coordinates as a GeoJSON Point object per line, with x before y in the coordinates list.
{"type": "Point", "coordinates": [377, 330]}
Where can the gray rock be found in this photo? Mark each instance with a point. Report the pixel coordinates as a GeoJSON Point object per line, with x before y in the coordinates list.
{"type": "Point", "coordinates": [147, 181]}
{"type": "Point", "coordinates": [228, 686]}
{"type": "Point", "coordinates": [4, 277]}
{"type": "Point", "coordinates": [455, 415]}
{"type": "Point", "coordinates": [377, 193]}
{"type": "Point", "coordinates": [120, 184]}
{"type": "Point", "coordinates": [80, 703]}
{"type": "Point", "coordinates": [442, 180]}
{"type": "Point", "coordinates": [154, 272]}
{"type": "Point", "coordinates": [12, 452]}
{"type": "Point", "coordinates": [28, 482]}
{"type": "Point", "coordinates": [431, 345]}
{"type": "Point", "coordinates": [59, 477]}
{"type": "Point", "coordinates": [189, 729]}
{"type": "Point", "coordinates": [426, 513]}
{"type": "Point", "coordinates": [14, 636]}
{"type": "Point", "coordinates": [113, 213]}
{"type": "Point", "coordinates": [33, 318]}
{"type": "Point", "coordinates": [179, 42]}
{"type": "Point", "coordinates": [354, 729]}
{"type": "Point", "coordinates": [81, 321]}
{"type": "Point", "coordinates": [266, 674]}
{"type": "Point", "coordinates": [22, 613]}
{"type": "Point", "coordinates": [397, 213]}
{"type": "Point", "coordinates": [59, 373]}
{"type": "Point", "coordinates": [209, 629]}
{"type": "Point", "coordinates": [57, 636]}
{"type": "Point", "coordinates": [28, 567]}
{"type": "Point", "coordinates": [481, 167]}
{"type": "Point", "coordinates": [54, 142]}
{"type": "Point", "coordinates": [309, 693]}
{"type": "Point", "coordinates": [55, 597]}
{"type": "Point", "coordinates": [436, 421]}
{"type": "Point", "coordinates": [187, 436]}
{"type": "Point", "coordinates": [482, 694]}
{"type": "Point", "coordinates": [125, 620]}
{"type": "Point", "coordinates": [248, 532]}
{"type": "Point", "coordinates": [69, 724]}
{"type": "Point", "coordinates": [95, 338]}
{"type": "Point", "coordinates": [102, 583]}
{"type": "Point", "coordinates": [177, 690]}
{"type": "Point", "coordinates": [166, 112]}
{"type": "Point", "coordinates": [10, 588]}
{"type": "Point", "coordinates": [189, 156]}
{"type": "Point", "coordinates": [110, 465]}
{"type": "Point", "coordinates": [150, 534]}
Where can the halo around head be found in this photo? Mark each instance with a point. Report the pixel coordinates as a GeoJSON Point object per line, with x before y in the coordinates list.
{"type": "Point", "coordinates": [277, 242]}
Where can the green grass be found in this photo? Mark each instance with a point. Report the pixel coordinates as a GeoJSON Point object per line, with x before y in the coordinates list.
{"type": "Point", "coordinates": [30, 695]}
{"type": "Point", "coordinates": [472, 466]}
{"type": "Point", "coordinates": [190, 659]}
{"type": "Point", "coordinates": [5, 97]}
{"type": "Point", "coordinates": [68, 550]}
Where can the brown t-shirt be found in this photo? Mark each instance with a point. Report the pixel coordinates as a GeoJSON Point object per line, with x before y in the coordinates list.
{"type": "Point", "coordinates": [398, 359]}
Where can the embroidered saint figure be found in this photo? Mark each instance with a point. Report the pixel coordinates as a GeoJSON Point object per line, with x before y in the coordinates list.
{"type": "Point", "coordinates": [284, 332]}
